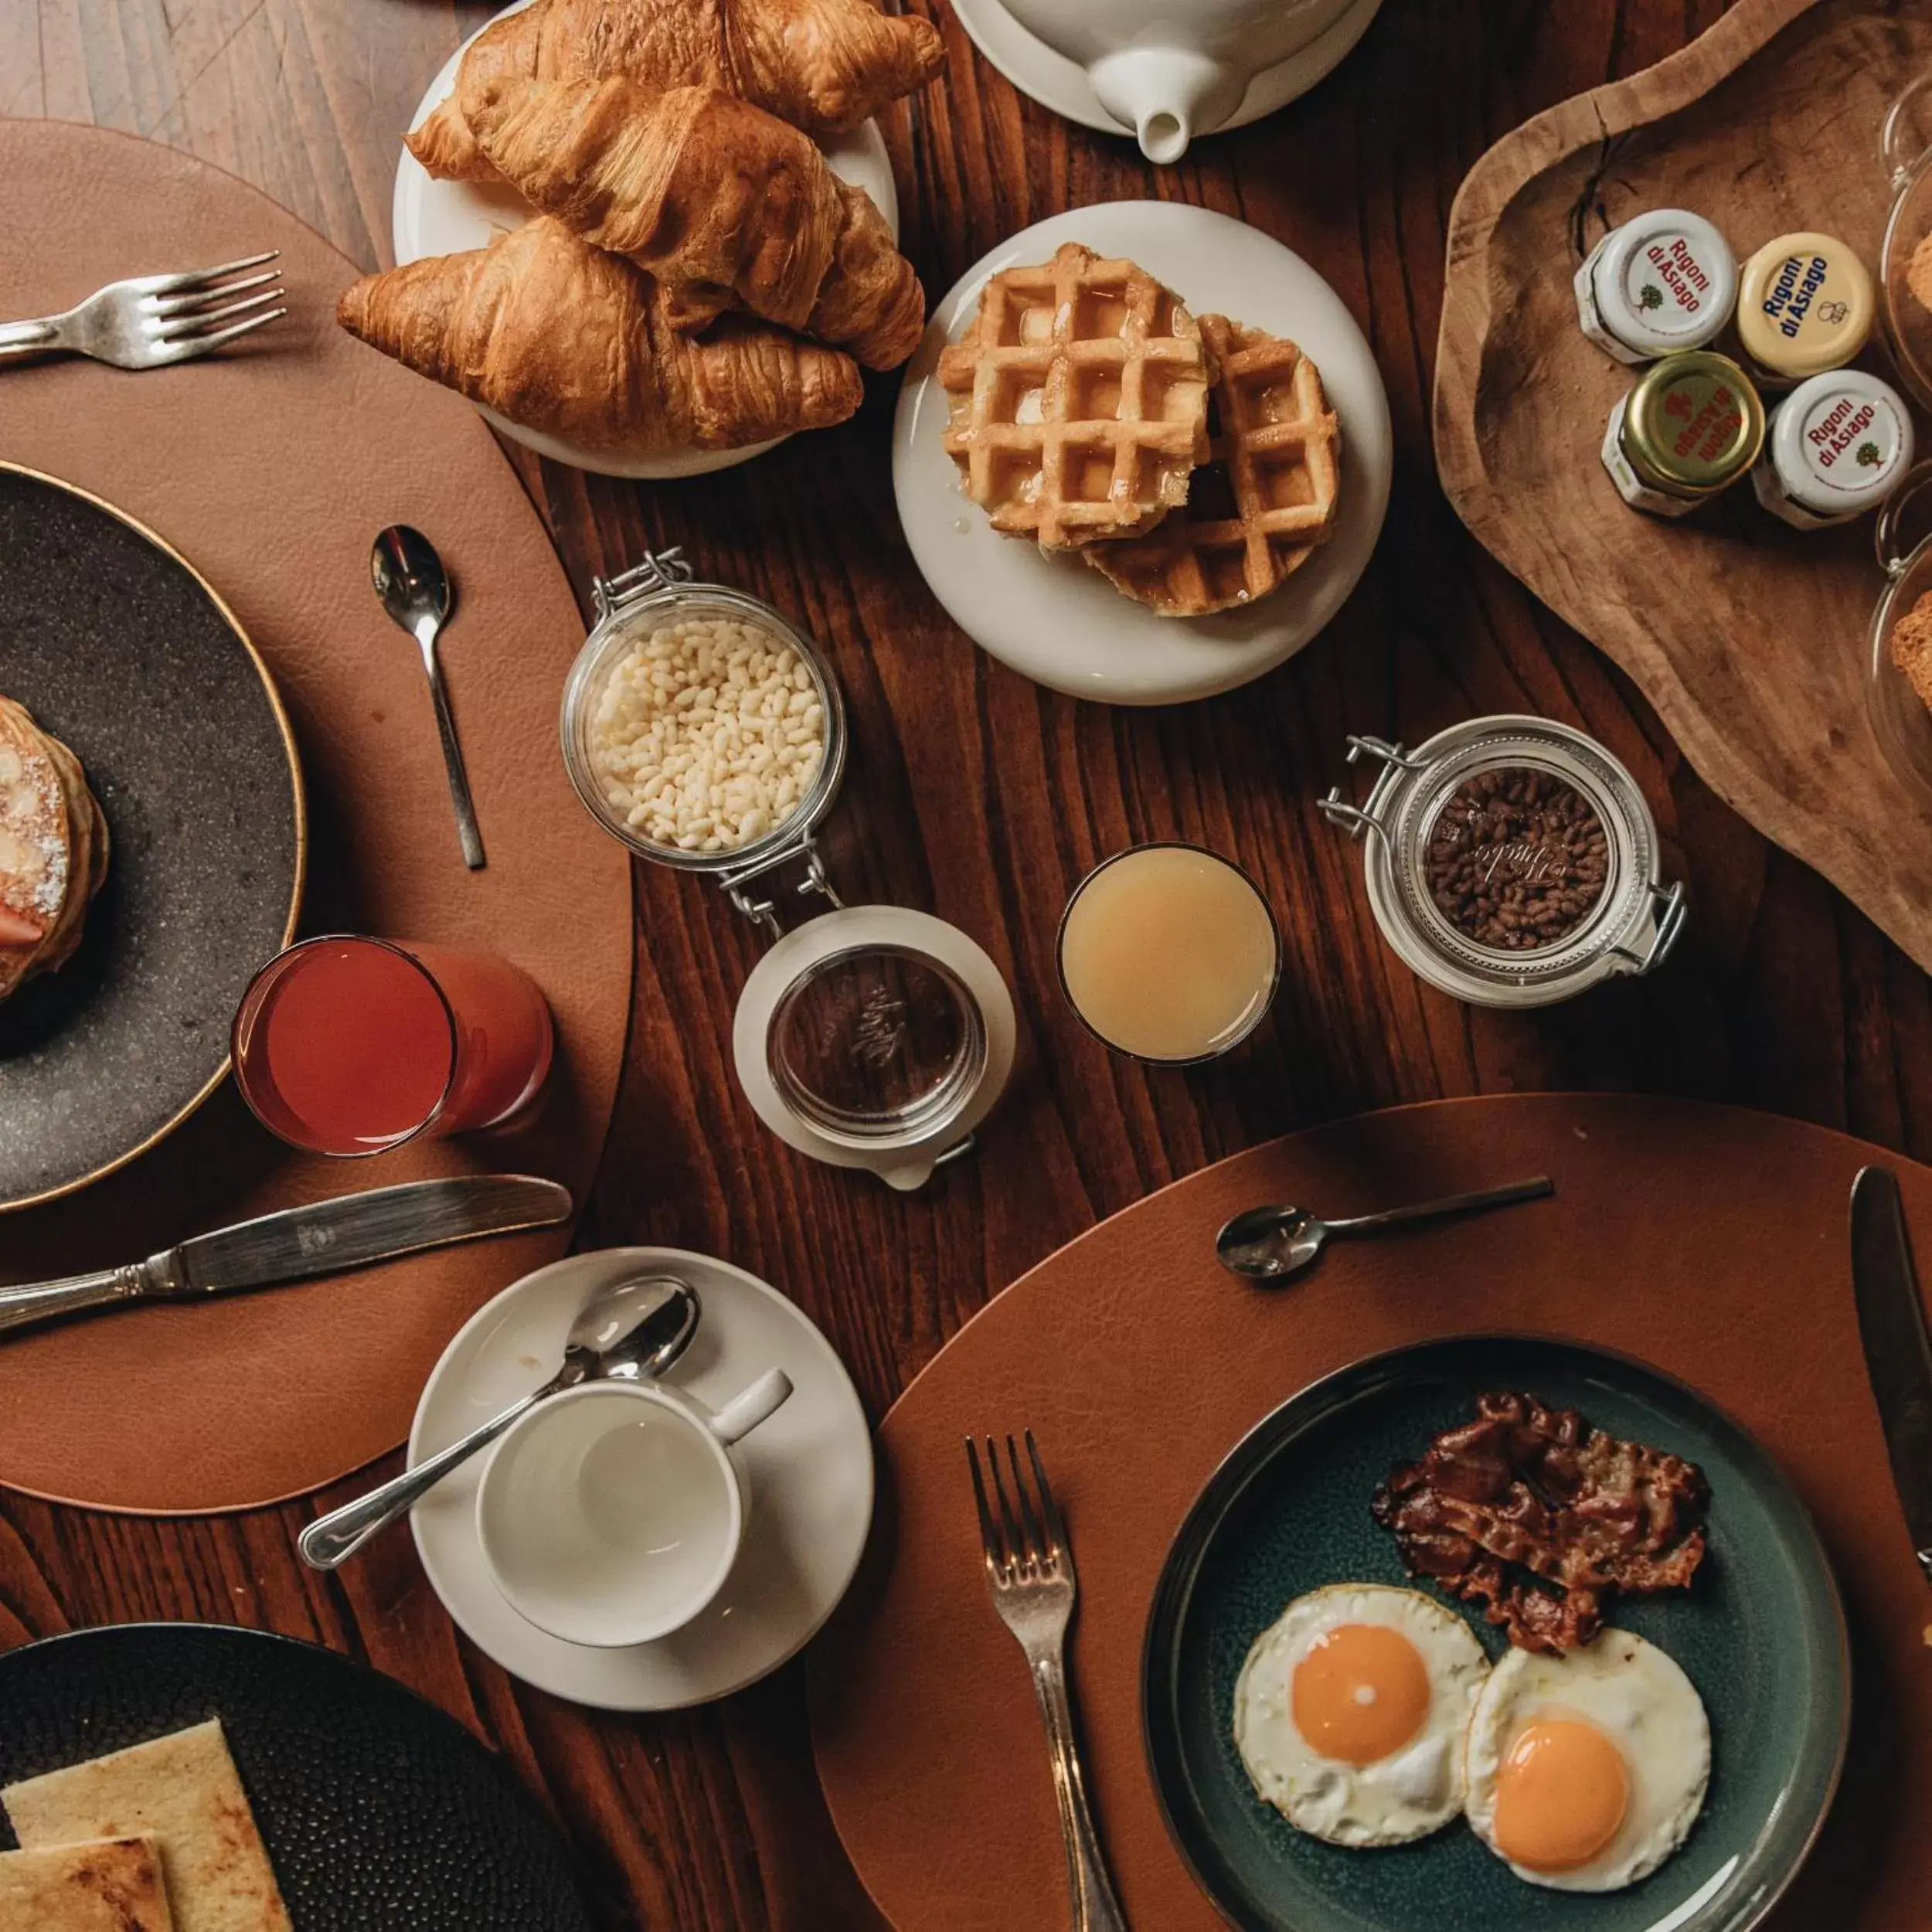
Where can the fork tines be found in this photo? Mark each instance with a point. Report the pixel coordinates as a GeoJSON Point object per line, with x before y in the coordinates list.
{"type": "Point", "coordinates": [1024, 1537]}
{"type": "Point", "coordinates": [199, 307]}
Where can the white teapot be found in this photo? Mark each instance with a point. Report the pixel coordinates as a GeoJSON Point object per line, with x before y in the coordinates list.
{"type": "Point", "coordinates": [1172, 69]}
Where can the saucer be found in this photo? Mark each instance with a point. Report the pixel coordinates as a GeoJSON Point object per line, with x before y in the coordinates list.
{"type": "Point", "coordinates": [1043, 74]}
{"type": "Point", "coordinates": [809, 1468]}
{"type": "Point", "coordinates": [432, 217]}
{"type": "Point", "coordinates": [1054, 619]}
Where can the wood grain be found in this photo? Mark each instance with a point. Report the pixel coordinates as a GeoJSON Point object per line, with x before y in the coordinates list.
{"type": "Point", "coordinates": [975, 795]}
{"type": "Point", "coordinates": [1749, 638]}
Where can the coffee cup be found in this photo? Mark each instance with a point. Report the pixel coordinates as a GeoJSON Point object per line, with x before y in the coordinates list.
{"type": "Point", "coordinates": [1172, 69]}
{"type": "Point", "coordinates": [610, 1514]}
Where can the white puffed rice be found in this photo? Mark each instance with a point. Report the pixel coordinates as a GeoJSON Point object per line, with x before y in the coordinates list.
{"type": "Point", "coordinates": [708, 734]}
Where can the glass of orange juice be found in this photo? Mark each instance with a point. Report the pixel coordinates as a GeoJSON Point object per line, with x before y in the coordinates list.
{"type": "Point", "coordinates": [1169, 953]}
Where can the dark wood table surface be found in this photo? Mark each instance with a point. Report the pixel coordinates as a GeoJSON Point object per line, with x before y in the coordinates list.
{"type": "Point", "coordinates": [982, 798]}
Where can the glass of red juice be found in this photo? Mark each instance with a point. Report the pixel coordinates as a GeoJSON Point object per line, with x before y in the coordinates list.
{"type": "Point", "coordinates": [349, 1046]}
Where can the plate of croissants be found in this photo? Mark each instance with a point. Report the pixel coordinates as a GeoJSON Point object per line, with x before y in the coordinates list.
{"type": "Point", "coordinates": [652, 238]}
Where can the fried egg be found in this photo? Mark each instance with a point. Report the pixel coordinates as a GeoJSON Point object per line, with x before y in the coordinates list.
{"type": "Point", "coordinates": [1585, 1772]}
{"type": "Point", "coordinates": [1350, 1711]}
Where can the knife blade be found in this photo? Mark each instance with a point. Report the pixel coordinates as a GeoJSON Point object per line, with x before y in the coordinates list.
{"type": "Point", "coordinates": [298, 1244]}
{"type": "Point", "coordinates": [1898, 1356]}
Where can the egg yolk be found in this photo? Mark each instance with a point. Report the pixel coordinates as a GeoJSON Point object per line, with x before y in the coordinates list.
{"type": "Point", "coordinates": [1360, 1692]}
{"type": "Point", "coordinates": [1561, 1794]}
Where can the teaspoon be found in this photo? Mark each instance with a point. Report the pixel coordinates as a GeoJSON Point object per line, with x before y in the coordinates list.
{"type": "Point", "coordinates": [415, 590]}
{"type": "Point", "coordinates": [633, 1332]}
{"type": "Point", "coordinates": [1274, 1244]}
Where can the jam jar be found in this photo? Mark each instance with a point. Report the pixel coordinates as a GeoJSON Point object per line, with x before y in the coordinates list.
{"type": "Point", "coordinates": [706, 733]}
{"type": "Point", "coordinates": [1836, 447]}
{"type": "Point", "coordinates": [1661, 282]}
{"type": "Point", "coordinates": [1511, 861]}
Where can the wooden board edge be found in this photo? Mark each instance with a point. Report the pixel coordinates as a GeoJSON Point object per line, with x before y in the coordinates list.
{"type": "Point", "coordinates": [1518, 157]}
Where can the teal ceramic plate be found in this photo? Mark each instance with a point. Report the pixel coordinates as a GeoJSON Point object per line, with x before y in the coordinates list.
{"type": "Point", "coordinates": [1761, 1633]}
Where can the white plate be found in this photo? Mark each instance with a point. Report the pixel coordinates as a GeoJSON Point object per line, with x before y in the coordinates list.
{"type": "Point", "coordinates": [810, 1470]}
{"type": "Point", "coordinates": [1058, 621]}
{"type": "Point", "coordinates": [432, 217]}
{"type": "Point", "coordinates": [1044, 74]}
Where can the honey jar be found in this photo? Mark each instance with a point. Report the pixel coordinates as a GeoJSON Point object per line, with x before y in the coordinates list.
{"type": "Point", "coordinates": [1805, 305]}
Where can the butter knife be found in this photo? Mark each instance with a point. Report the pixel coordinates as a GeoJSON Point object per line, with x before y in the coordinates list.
{"type": "Point", "coordinates": [1898, 1357]}
{"type": "Point", "coordinates": [298, 1243]}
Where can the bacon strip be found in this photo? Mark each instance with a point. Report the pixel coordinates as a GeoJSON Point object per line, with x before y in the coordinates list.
{"type": "Point", "coordinates": [1535, 1516]}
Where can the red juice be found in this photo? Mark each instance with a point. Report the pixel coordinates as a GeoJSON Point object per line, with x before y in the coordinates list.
{"type": "Point", "coordinates": [349, 1045]}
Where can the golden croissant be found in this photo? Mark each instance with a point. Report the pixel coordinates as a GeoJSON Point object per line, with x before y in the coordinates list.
{"type": "Point", "coordinates": [561, 337]}
{"type": "Point", "coordinates": [825, 66]}
{"type": "Point", "coordinates": [721, 202]}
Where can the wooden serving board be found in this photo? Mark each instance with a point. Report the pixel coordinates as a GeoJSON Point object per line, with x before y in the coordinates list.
{"type": "Point", "coordinates": [1749, 638]}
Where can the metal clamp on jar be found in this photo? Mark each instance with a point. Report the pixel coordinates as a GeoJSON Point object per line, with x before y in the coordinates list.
{"type": "Point", "coordinates": [1511, 861]}
{"type": "Point", "coordinates": [704, 731]}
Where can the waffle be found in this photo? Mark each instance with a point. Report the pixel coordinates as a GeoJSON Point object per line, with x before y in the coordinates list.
{"type": "Point", "coordinates": [1079, 400]}
{"type": "Point", "coordinates": [1264, 498]}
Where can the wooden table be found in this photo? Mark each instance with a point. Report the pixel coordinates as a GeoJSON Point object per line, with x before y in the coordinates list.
{"type": "Point", "coordinates": [982, 798]}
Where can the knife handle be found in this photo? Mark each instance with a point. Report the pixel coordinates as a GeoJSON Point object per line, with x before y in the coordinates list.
{"type": "Point", "coordinates": [44, 1301]}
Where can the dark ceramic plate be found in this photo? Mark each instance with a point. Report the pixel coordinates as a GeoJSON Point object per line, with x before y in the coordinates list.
{"type": "Point", "coordinates": [381, 1814]}
{"type": "Point", "coordinates": [116, 647]}
{"type": "Point", "coordinates": [1761, 1633]}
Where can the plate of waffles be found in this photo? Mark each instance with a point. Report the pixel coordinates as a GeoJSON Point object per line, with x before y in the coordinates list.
{"type": "Point", "coordinates": [1144, 453]}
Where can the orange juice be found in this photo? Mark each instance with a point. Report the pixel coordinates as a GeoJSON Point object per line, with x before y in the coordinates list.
{"type": "Point", "coordinates": [1169, 953]}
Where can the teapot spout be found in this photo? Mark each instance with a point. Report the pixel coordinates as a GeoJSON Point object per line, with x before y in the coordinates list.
{"type": "Point", "coordinates": [1167, 95]}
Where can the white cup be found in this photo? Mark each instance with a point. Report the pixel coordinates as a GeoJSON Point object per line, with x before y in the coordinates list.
{"type": "Point", "coordinates": [1173, 68]}
{"type": "Point", "coordinates": [611, 1514]}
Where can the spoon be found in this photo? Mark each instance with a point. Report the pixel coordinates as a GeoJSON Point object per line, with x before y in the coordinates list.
{"type": "Point", "coordinates": [415, 590]}
{"type": "Point", "coordinates": [1275, 1244]}
{"type": "Point", "coordinates": [633, 1332]}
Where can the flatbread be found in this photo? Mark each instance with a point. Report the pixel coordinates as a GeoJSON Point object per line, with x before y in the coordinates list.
{"type": "Point", "coordinates": [184, 1790]}
{"type": "Point", "coordinates": [104, 1885]}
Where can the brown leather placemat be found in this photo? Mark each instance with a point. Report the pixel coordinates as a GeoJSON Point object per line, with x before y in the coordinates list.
{"type": "Point", "coordinates": [271, 469]}
{"type": "Point", "coordinates": [1709, 1240]}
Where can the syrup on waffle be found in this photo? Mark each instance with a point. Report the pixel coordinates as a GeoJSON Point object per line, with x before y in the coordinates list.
{"type": "Point", "coordinates": [1079, 400]}
{"type": "Point", "coordinates": [1264, 498]}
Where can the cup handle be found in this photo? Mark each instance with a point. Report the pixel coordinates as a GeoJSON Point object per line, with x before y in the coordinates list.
{"type": "Point", "coordinates": [751, 1405]}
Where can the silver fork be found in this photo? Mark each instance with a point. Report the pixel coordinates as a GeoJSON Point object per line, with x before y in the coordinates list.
{"type": "Point", "coordinates": [1030, 1569]}
{"type": "Point", "coordinates": [153, 320]}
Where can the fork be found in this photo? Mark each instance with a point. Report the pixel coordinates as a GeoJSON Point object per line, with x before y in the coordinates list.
{"type": "Point", "coordinates": [153, 320]}
{"type": "Point", "coordinates": [1029, 1570]}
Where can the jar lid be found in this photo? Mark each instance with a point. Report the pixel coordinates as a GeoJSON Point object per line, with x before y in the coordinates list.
{"type": "Point", "coordinates": [877, 1037]}
{"type": "Point", "coordinates": [1693, 422]}
{"type": "Point", "coordinates": [1841, 441]}
{"type": "Point", "coordinates": [1493, 913]}
{"type": "Point", "coordinates": [1665, 280]}
{"type": "Point", "coordinates": [1805, 304]}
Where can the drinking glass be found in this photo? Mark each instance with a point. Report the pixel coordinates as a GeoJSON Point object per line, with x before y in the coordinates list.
{"type": "Point", "coordinates": [1168, 953]}
{"type": "Point", "coordinates": [349, 1046]}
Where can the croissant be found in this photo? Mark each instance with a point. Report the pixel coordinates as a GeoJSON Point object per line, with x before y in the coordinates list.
{"type": "Point", "coordinates": [825, 66]}
{"type": "Point", "coordinates": [718, 199]}
{"type": "Point", "coordinates": [561, 337]}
